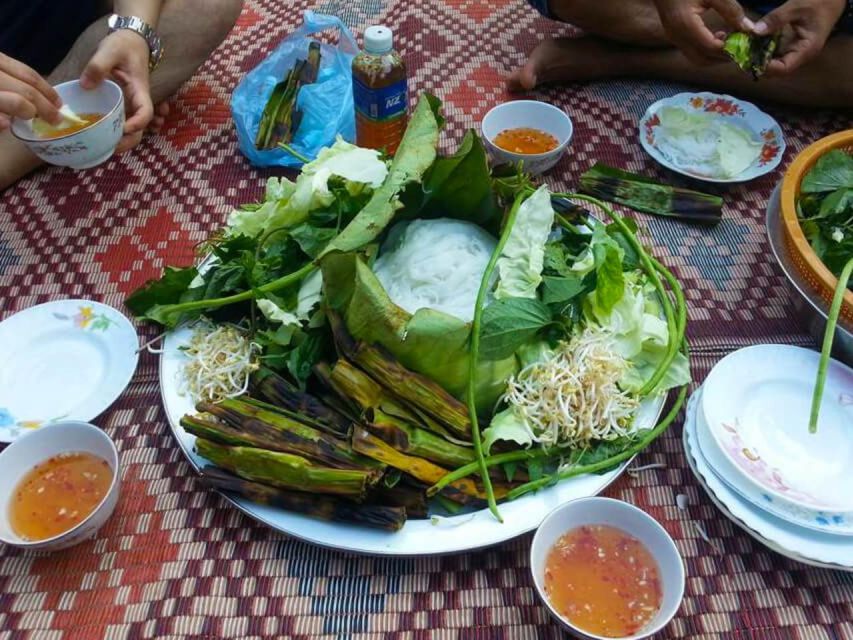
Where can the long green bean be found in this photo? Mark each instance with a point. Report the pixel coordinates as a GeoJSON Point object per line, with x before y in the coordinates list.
{"type": "Point", "coordinates": [499, 458]}
{"type": "Point", "coordinates": [471, 395]}
{"type": "Point", "coordinates": [828, 337]}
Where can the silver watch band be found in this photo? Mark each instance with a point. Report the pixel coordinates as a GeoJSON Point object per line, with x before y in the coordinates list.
{"type": "Point", "coordinates": [138, 25]}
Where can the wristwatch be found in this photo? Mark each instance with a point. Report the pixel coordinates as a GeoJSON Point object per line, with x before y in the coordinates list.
{"type": "Point", "coordinates": [138, 25]}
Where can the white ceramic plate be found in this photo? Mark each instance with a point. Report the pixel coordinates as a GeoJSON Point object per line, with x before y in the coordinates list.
{"type": "Point", "coordinates": [463, 532]}
{"type": "Point", "coordinates": [757, 401]}
{"type": "Point", "coordinates": [741, 113]}
{"type": "Point", "coordinates": [62, 360]}
{"type": "Point", "coordinates": [797, 543]}
{"type": "Point", "coordinates": [722, 468]}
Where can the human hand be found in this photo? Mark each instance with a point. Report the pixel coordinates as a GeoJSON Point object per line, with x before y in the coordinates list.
{"type": "Point", "coordinates": [123, 56]}
{"type": "Point", "coordinates": [683, 24]}
{"type": "Point", "coordinates": [25, 94]}
{"type": "Point", "coordinates": [805, 26]}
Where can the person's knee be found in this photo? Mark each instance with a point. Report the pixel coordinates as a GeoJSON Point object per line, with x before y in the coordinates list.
{"type": "Point", "coordinates": [214, 18]}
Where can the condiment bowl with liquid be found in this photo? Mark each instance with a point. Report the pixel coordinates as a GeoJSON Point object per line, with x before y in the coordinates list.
{"type": "Point", "coordinates": [59, 485]}
{"type": "Point", "coordinates": [606, 569]}
{"type": "Point", "coordinates": [79, 145]}
{"type": "Point", "coordinates": [532, 133]}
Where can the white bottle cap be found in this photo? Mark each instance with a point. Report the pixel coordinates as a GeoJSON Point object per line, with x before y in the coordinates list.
{"type": "Point", "coordinates": [378, 39]}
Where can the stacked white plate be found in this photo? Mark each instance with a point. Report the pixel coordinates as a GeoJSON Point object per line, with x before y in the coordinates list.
{"type": "Point", "coordinates": [748, 442]}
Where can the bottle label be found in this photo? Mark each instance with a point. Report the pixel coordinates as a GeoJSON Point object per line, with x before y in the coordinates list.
{"type": "Point", "coordinates": [384, 103]}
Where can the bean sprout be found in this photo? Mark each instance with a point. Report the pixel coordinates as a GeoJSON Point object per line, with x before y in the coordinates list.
{"type": "Point", "coordinates": [573, 397]}
{"type": "Point", "coordinates": [221, 361]}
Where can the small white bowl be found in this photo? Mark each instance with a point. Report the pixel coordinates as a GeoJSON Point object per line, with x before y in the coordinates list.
{"type": "Point", "coordinates": [535, 115]}
{"type": "Point", "coordinates": [607, 511]}
{"type": "Point", "coordinates": [89, 146]}
{"type": "Point", "coordinates": [39, 445]}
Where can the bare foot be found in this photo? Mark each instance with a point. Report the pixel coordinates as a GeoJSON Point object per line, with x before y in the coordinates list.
{"type": "Point", "coordinates": [566, 60]}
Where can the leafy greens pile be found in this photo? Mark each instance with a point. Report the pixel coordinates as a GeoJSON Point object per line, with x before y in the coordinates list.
{"type": "Point", "coordinates": [372, 409]}
{"type": "Point", "coordinates": [825, 208]}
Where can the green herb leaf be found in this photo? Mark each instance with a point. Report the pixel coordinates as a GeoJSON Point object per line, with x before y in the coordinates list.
{"type": "Point", "coordinates": [308, 352]}
{"type": "Point", "coordinates": [166, 290]}
{"type": "Point", "coordinates": [609, 279]}
{"type": "Point", "coordinates": [509, 470]}
{"type": "Point", "coordinates": [836, 202]}
{"type": "Point", "coordinates": [562, 288]}
{"type": "Point", "coordinates": [832, 171]}
{"type": "Point", "coordinates": [509, 323]}
{"type": "Point", "coordinates": [312, 240]}
{"type": "Point", "coordinates": [535, 469]}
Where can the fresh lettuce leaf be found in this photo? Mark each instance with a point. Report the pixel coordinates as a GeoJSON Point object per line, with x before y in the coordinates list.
{"type": "Point", "coordinates": [289, 203]}
{"type": "Point", "coordinates": [416, 153]}
{"type": "Point", "coordinates": [520, 264]}
{"type": "Point", "coordinates": [275, 313]}
{"type": "Point", "coordinates": [640, 334]}
{"type": "Point", "coordinates": [506, 426]}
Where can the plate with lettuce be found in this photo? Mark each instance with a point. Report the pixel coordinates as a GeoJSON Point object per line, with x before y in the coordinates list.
{"type": "Point", "coordinates": [712, 137]}
{"type": "Point", "coordinates": [416, 355]}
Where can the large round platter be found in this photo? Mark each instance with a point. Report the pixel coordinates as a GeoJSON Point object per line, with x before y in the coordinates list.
{"type": "Point", "coordinates": [741, 113]}
{"type": "Point", "coordinates": [62, 360]}
{"type": "Point", "coordinates": [800, 544]}
{"type": "Point", "coordinates": [463, 532]}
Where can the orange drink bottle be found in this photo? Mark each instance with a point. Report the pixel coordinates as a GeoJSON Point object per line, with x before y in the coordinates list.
{"type": "Point", "coordinates": [379, 92]}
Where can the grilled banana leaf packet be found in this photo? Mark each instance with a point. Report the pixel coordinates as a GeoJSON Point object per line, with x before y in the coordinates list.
{"type": "Point", "coordinates": [750, 52]}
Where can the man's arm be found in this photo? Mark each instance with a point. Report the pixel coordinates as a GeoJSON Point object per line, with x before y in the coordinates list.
{"type": "Point", "coordinates": [806, 26]}
{"type": "Point", "coordinates": [123, 56]}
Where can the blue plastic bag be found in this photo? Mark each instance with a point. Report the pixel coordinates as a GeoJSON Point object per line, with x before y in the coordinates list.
{"type": "Point", "coordinates": [326, 105]}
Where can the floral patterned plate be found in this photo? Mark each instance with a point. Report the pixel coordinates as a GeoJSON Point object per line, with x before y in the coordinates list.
{"type": "Point", "coordinates": [798, 543]}
{"type": "Point", "coordinates": [756, 402]}
{"type": "Point", "coordinates": [62, 360]}
{"type": "Point", "coordinates": [827, 522]}
{"type": "Point", "coordinates": [743, 114]}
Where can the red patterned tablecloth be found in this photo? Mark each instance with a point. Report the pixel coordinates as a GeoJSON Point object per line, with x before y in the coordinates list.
{"type": "Point", "coordinates": [177, 561]}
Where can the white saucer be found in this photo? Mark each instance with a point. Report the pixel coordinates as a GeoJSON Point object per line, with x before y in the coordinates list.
{"type": "Point", "coordinates": [797, 543]}
{"type": "Point", "coordinates": [756, 403]}
{"type": "Point", "coordinates": [741, 113]}
{"type": "Point", "coordinates": [835, 524]}
{"type": "Point", "coordinates": [62, 360]}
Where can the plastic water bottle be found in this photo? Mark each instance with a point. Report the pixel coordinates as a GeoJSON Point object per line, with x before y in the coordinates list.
{"type": "Point", "coordinates": [379, 92]}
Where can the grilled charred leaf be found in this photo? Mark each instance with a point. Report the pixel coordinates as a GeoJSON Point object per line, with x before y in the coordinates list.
{"type": "Point", "coordinates": [415, 441]}
{"type": "Point", "coordinates": [750, 52]}
{"type": "Point", "coordinates": [278, 391]}
{"type": "Point", "coordinates": [280, 118]}
{"type": "Point", "coordinates": [238, 423]}
{"type": "Point", "coordinates": [644, 194]}
{"type": "Point", "coordinates": [416, 390]}
{"type": "Point", "coordinates": [404, 494]}
{"type": "Point", "coordinates": [386, 515]}
{"type": "Point", "coordinates": [423, 470]}
{"type": "Point", "coordinates": [286, 470]}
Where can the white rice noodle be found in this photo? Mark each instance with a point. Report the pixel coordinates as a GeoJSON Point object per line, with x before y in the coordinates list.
{"type": "Point", "coordinates": [435, 264]}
